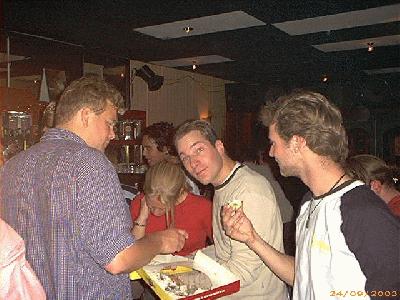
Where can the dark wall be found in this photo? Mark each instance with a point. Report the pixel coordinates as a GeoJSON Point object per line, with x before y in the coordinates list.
{"type": "Point", "coordinates": [244, 97]}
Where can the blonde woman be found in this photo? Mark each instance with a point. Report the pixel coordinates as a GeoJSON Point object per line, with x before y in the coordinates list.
{"type": "Point", "coordinates": [167, 202]}
{"type": "Point", "coordinates": [382, 178]}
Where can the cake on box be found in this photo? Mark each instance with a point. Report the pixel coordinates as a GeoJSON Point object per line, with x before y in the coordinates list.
{"type": "Point", "coordinates": [177, 277]}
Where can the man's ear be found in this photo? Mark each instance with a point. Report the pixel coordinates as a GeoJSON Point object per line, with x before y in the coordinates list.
{"type": "Point", "coordinates": [84, 115]}
{"type": "Point", "coordinates": [297, 143]}
{"type": "Point", "coordinates": [219, 145]}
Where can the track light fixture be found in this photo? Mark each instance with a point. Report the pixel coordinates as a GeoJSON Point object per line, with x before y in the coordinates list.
{"type": "Point", "coordinates": [154, 82]}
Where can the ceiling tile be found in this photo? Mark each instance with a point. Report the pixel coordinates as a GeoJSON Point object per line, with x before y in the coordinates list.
{"type": "Point", "coordinates": [383, 14]}
{"type": "Point", "coordinates": [203, 25]}
{"type": "Point", "coordinates": [383, 71]}
{"type": "Point", "coordinates": [188, 61]}
{"type": "Point", "coordinates": [389, 40]}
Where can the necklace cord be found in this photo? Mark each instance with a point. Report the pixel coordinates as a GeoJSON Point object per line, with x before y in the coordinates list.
{"type": "Point", "coordinates": [310, 212]}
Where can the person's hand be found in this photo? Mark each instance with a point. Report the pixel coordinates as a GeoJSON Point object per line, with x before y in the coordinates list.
{"type": "Point", "coordinates": [172, 240]}
{"type": "Point", "coordinates": [143, 212]}
{"type": "Point", "coordinates": [236, 225]}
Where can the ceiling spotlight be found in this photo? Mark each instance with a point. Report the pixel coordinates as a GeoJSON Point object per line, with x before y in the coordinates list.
{"type": "Point", "coordinates": [122, 75]}
{"type": "Point", "coordinates": [324, 78]}
{"type": "Point", "coordinates": [187, 29]}
{"type": "Point", "coordinates": [370, 47]}
{"type": "Point", "coordinates": [154, 82]}
{"type": "Point", "coordinates": [194, 66]}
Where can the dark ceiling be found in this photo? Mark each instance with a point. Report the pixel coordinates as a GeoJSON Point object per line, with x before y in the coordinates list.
{"type": "Point", "coordinates": [260, 55]}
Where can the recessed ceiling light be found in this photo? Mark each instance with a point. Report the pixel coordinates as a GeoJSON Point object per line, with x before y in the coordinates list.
{"type": "Point", "coordinates": [187, 29]}
{"type": "Point", "coordinates": [370, 47]}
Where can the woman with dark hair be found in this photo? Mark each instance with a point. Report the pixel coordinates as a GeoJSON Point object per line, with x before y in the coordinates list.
{"type": "Point", "coordinates": [157, 142]}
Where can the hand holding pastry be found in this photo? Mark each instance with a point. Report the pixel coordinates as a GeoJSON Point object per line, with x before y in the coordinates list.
{"type": "Point", "coordinates": [236, 224]}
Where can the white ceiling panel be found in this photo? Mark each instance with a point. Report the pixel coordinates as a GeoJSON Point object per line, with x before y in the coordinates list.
{"type": "Point", "coordinates": [203, 25]}
{"type": "Point", "coordinates": [378, 15]}
{"type": "Point", "coordinates": [188, 61]}
{"type": "Point", "coordinates": [383, 71]}
{"type": "Point", "coordinates": [389, 40]}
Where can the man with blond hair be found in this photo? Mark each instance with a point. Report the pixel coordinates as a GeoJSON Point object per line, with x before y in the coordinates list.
{"type": "Point", "coordinates": [347, 240]}
{"type": "Point", "coordinates": [64, 198]}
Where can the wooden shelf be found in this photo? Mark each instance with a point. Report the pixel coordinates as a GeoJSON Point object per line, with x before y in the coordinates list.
{"type": "Point", "coordinates": [118, 143]}
{"type": "Point", "coordinates": [135, 115]}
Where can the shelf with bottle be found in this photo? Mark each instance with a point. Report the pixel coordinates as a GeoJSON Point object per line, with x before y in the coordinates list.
{"type": "Point", "coordinates": [125, 151]}
{"type": "Point", "coordinates": [128, 128]}
{"type": "Point", "coordinates": [16, 135]}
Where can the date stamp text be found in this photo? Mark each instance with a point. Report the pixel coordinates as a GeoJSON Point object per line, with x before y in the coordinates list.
{"type": "Point", "coordinates": [377, 293]}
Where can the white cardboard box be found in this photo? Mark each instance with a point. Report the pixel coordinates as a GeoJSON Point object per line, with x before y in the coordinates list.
{"type": "Point", "coordinates": [223, 281]}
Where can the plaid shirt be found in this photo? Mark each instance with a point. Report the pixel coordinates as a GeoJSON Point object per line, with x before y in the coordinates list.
{"type": "Point", "coordinates": [64, 198]}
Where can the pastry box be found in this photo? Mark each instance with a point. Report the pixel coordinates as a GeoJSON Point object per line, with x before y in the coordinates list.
{"type": "Point", "coordinates": [177, 277]}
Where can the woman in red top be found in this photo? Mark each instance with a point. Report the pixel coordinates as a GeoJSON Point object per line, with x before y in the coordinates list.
{"type": "Point", "coordinates": [382, 178]}
{"type": "Point", "coordinates": [167, 202]}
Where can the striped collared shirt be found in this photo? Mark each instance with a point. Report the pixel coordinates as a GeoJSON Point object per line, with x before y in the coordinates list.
{"type": "Point", "coordinates": [64, 198]}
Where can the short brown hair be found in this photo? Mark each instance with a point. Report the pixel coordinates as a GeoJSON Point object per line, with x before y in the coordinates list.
{"type": "Point", "coordinates": [202, 126]}
{"type": "Point", "coordinates": [90, 91]}
{"type": "Point", "coordinates": [167, 180]}
{"type": "Point", "coordinates": [311, 116]}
